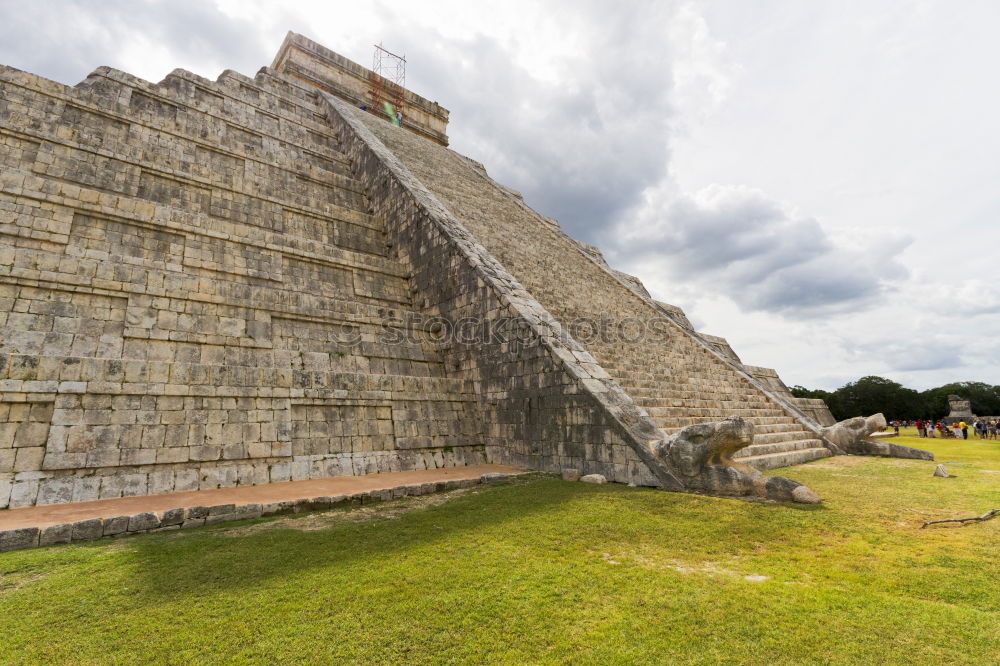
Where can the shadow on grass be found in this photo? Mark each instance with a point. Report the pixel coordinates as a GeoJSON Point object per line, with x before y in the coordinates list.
{"type": "Point", "coordinates": [181, 563]}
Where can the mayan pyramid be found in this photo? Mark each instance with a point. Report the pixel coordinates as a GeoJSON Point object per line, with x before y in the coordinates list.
{"type": "Point", "coordinates": [251, 280]}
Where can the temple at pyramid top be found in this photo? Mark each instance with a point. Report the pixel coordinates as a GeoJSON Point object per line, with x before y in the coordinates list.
{"type": "Point", "coordinates": [303, 59]}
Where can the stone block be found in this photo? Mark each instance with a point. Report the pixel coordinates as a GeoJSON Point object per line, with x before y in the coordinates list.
{"type": "Point", "coordinates": [244, 511]}
{"type": "Point", "coordinates": [54, 534]}
{"type": "Point", "coordinates": [594, 478]}
{"type": "Point", "coordinates": [6, 485]}
{"type": "Point", "coordinates": [23, 493]}
{"type": "Point", "coordinates": [86, 488]}
{"type": "Point", "coordinates": [185, 480]}
{"type": "Point", "coordinates": [220, 509]}
{"type": "Point", "coordinates": [142, 522]}
{"type": "Point", "coordinates": [221, 518]}
{"type": "Point", "coordinates": [88, 530]}
{"type": "Point", "coordinates": [569, 474]}
{"type": "Point", "coordinates": [55, 491]}
{"type": "Point", "coordinates": [116, 525]}
{"type": "Point", "coordinates": [172, 517]}
{"type": "Point", "coordinates": [29, 459]}
{"type": "Point", "coordinates": [19, 539]}
{"type": "Point", "coordinates": [277, 508]}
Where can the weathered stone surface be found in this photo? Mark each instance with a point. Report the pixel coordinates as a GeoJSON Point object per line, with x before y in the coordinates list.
{"type": "Point", "coordinates": [88, 530]}
{"type": "Point", "coordinates": [493, 476]}
{"type": "Point", "coordinates": [54, 534]}
{"type": "Point", "coordinates": [172, 517]}
{"type": "Point", "coordinates": [593, 478]}
{"type": "Point", "coordinates": [277, 508]}
{"type": "Point", "coordinates": [942, 471]}
{"type": "Point", "coordinates": [220, 518]}
{"type": "Point", "coordinates": [569, 474]}
{"type": "Point", "coordinates": [853, 436]}
{"type": "Point", "coordinates": [805, 495]}
{"type": "Point", "coordinates": [116, 525]}
{"type": "Point", "coordinates": [959, 409]}
{"type": "Point", "coordinates": [703, 455]}
{"type": "Point", "coordinates": [319, 503]}
{"type": "Point", "coordinates": [142, 522]}
{"type": "Point", "coordinates": [19, 539]}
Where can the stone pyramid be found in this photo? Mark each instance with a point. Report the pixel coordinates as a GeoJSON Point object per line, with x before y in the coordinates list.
{"type": "Point", "coordinates": [252, 280]}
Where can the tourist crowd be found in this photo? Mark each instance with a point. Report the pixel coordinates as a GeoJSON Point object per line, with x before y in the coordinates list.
{"type": "Point", "coordinates": [960, 429]}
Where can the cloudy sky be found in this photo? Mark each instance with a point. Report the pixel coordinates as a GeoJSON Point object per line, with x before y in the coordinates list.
{"type": "Point", "coordinates": [816, 181]}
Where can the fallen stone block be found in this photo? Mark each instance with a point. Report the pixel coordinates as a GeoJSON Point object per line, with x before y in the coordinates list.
{"type": "Point", "coordinates": [805, 495]}
{"type": "Point", "coordinates": [19, 539]}
{"type": "Point", "coordinates": [593, 478]}
{"type": "Point", "coordinates": [942, 471]}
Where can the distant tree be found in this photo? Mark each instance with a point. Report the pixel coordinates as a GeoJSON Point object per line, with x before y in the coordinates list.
{"type": "Point", "coordinates": [985, 399]}
{"type": "Point", "coordinates": [873, 394]}
{"type": "Point", "coordinates": [803, 392]}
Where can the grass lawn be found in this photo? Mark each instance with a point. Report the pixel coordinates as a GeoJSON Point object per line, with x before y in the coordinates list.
{"type": "Point", "coordinates": [539, 570]}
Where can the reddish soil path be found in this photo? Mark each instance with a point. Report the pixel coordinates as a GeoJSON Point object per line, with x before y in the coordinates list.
{"type": "Point", "coordinates": [55, 514]}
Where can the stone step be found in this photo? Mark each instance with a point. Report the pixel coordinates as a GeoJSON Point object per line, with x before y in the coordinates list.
{"type": "Point", "coordinates": [785, 459]}
{"type": "Point", "coordinates": [779, 437]}
{"type": "Point", "coordinates": [759, 422]}
{"type": "Point", "coordinates": [688, 415]}
{"type": "Point", "coordinates": [767, 448]}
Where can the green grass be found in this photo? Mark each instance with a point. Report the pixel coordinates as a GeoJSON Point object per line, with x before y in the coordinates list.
{"type": "Point", "coordinates": [545, 571]}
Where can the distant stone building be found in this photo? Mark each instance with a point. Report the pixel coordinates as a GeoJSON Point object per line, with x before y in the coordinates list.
{"type": "Point", "coordinates": [250, 280]}
{"type": "Point", "coordinates": [960, 409]}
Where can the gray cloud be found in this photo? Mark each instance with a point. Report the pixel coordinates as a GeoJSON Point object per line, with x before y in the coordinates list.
{"type": "Point", "coordinates": [736, 241]}
{"type": "Point", "coordinates": [65, 41]}
{"type": "Point", "coordinates": [582, 148]}
{"type": "Point", "coordinates": [914, 353]}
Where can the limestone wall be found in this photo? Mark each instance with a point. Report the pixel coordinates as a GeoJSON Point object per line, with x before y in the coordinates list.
{"type": "Point", "coordinates": [193, 293]}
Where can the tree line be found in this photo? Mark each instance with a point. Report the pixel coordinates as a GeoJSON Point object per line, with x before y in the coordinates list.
{"type": "Point", "coordinates": [872, 394]}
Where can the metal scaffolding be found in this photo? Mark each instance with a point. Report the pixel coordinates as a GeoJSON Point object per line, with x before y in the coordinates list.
{"type": "Point", "coordinates": [387, 82]}
{"type": "Point", "coordinates": [389, 66]}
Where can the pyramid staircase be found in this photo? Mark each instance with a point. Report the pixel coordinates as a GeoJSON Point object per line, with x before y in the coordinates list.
{"type": "Point", "coordinates": [679, 381]}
